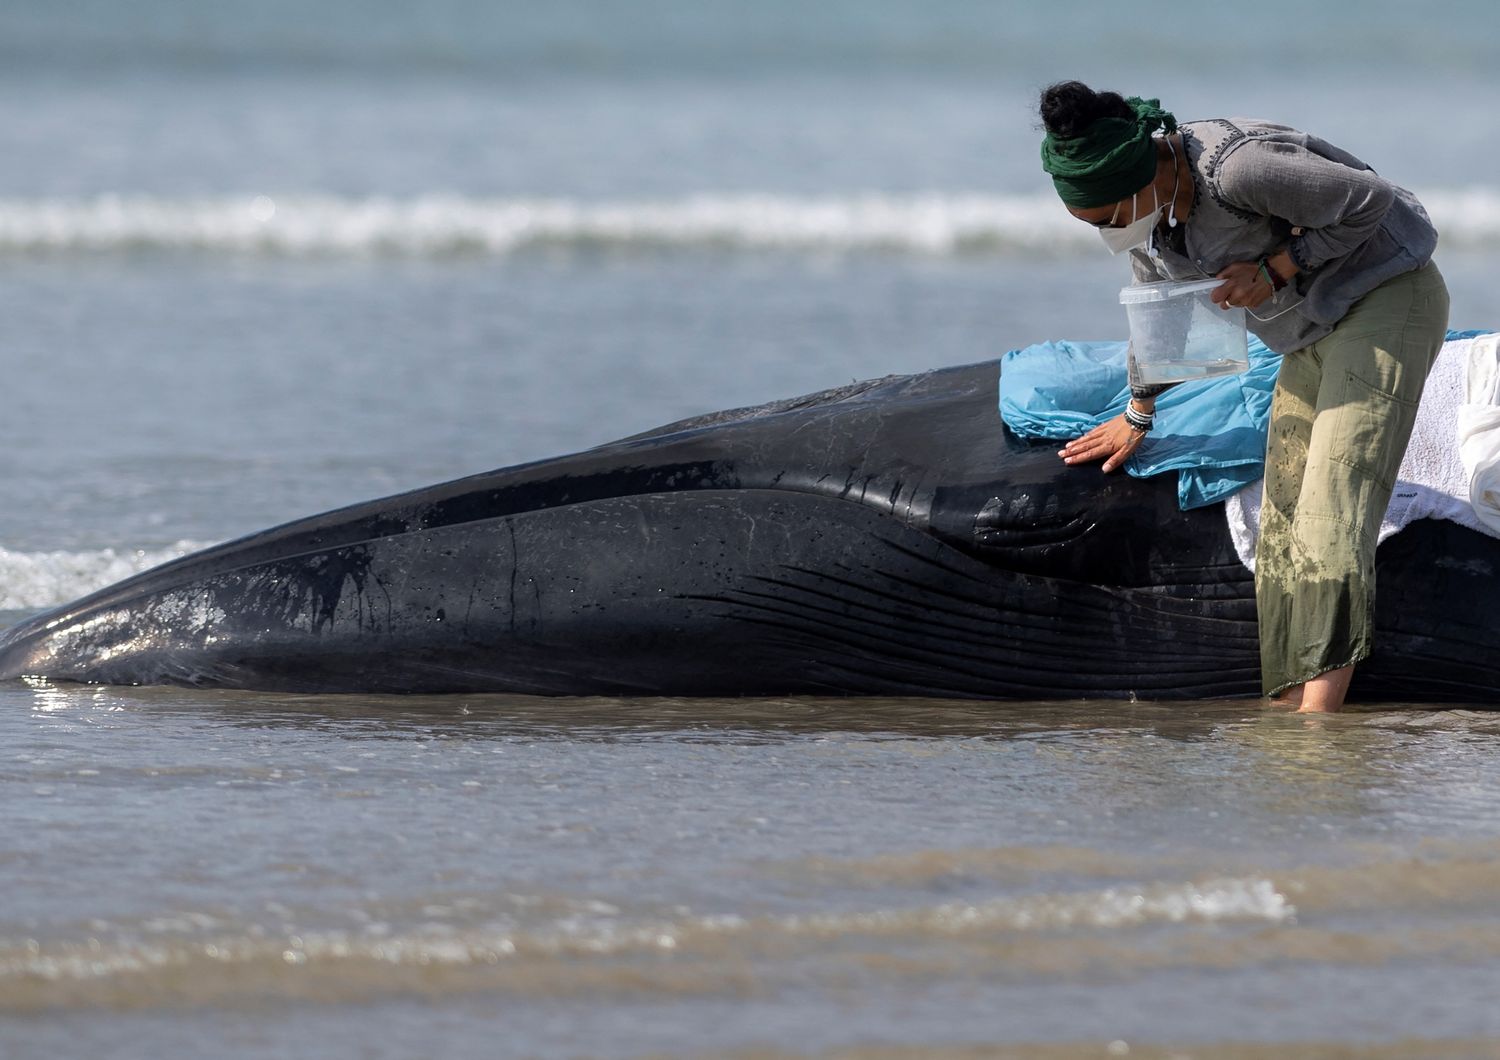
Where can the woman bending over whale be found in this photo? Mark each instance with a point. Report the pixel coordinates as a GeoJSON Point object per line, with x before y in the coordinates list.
{"type": "Point", "coordinates": [1333, 266]}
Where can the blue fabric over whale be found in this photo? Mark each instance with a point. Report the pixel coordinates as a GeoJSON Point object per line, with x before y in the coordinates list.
{"type": "Point", "coordinates": [1212, 432]}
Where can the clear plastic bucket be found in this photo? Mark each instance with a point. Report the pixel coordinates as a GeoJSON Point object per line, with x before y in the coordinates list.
{"type": "Point", "coordinates": [1177, 333]}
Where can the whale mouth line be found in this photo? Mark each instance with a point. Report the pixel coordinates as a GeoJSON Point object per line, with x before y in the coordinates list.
{"type": "Point", "coordinates": [132, 591]}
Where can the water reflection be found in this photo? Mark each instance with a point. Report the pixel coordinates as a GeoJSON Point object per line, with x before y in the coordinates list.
{"type": "Point", "coordinates": [49, 699]}
{"type": "Point", "coordinates": [1307, 740]}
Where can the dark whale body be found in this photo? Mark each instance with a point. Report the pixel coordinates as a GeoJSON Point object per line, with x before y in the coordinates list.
{"type": "Point", "coordinates": [885, 538]}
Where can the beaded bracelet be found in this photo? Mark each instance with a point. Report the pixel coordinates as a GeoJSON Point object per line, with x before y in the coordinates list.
{"type": "Point", "coordinates": [1272, 276]}
{"type": "Point", "coordinates": [1137, 421]}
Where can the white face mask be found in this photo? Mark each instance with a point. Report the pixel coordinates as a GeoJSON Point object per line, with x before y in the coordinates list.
{"type": "Point", "coordinates": [1137, 233]}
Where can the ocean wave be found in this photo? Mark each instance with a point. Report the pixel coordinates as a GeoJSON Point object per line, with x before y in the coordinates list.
{"type": "Point", "coordinates": [33, 580]}
{"type": "Point", "coordinates": [200, 958]}
{"type": "Point", "coordinates": [544, 946]}
{"type": "Point", "coordinates": [935, 223]}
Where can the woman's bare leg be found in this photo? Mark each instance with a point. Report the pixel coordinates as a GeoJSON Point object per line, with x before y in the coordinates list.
{"type": "Point", "coordinates": [1323, 694]}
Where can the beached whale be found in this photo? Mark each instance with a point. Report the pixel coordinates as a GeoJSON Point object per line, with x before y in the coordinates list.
{"type": "Point", "coordinates": [886, 538]}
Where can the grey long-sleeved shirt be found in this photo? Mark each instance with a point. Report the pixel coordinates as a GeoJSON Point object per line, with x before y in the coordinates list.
{"type": "Point", "coordinates": [1259, 188]}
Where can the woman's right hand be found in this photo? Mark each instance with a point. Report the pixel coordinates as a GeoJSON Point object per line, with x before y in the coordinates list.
{"type": "Point", "coordinates": [1112, 441]}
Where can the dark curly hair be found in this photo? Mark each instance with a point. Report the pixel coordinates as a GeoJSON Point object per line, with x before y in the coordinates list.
{"type": "Point", "coordinates": [1068, 108]}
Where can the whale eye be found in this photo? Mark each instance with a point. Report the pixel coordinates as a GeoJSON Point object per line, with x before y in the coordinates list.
{"type": "Point", "coordinates": [1014, 525]}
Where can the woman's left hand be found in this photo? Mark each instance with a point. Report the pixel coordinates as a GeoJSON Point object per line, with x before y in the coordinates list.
{"type": "Point", "coordinates": [1243, 286]}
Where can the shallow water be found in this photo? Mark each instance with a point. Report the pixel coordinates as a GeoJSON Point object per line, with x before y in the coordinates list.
{"type": "Point", "coordinates": [190, 871]}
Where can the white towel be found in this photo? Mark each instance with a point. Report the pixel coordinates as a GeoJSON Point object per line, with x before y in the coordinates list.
{"type": "Point", "coordinates": [1434, 481]}
{"type": "Point", "coordinates": [1479, 429]}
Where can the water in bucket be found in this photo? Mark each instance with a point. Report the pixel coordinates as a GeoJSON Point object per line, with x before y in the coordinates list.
{"type": "Point", "coordinates": [1178, 334]}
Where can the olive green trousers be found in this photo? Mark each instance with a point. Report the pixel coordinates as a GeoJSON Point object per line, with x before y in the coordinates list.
{"type": "Point", "coordinates": [1340, 419]}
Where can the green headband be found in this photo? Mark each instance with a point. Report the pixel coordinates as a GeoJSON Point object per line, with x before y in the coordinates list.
{"type": "Point", "coordinates": [1113, 159]}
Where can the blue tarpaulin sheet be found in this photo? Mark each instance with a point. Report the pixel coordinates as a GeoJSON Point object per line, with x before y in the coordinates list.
{"type": "Point", "coordinates": [1212, 432]}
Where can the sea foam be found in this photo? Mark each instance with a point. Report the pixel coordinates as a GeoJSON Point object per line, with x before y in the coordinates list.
{"type": "Point", "coordinates": [935, 223]}
{"type": "Point", "coordinates": [32, 580]}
